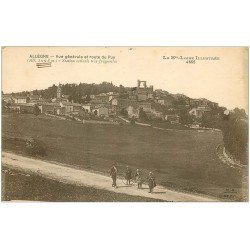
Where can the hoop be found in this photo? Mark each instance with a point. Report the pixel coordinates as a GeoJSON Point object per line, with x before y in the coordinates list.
{"type": "Point", "coordinates": [132, 181]}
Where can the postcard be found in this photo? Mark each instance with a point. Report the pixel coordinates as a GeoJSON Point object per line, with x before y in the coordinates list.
{"type": "Point", "coordinates": [125, 124]}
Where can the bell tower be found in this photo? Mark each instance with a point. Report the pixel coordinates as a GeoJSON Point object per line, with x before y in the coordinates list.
{"type": "Point", "coordinates": [59, 91]}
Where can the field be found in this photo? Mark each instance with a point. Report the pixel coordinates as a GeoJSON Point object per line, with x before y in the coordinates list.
{"type": "Point", "coordinates": [181, 160]}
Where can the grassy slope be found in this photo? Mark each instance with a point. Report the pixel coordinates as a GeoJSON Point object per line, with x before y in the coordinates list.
{"type": "Point", "coordinates": [184, 160]}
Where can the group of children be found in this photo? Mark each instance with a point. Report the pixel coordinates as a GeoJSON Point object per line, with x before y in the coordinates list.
{"type": "Point", "coordinates": [128, 177]}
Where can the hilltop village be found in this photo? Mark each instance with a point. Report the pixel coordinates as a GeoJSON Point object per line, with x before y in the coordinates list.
{"type": "Point", "coordinates": [140, 103]}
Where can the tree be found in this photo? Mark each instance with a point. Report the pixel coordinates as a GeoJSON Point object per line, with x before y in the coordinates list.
{"type": "Point", "coordinates": [132, 120]}
{"type": "Point", "coordinates": [185, 117]}
{"type": "Point", "coordinates": [124, 112]}
{"type": "Point", "coordinates": [235, 134]}
{"type": "Point", "coordinates": [36, 110]}
{"type": "Point", "coordinates": [142, 115]}
{"type": "Point", "coordinates": [5, 106]}
{"type": "Point", "coordinates": [35, 147]}
{"type": "Point", "coordinates": [87, 99]}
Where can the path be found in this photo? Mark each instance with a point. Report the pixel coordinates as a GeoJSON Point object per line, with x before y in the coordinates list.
{"type": "Point", "coordinates": [221, 152]}
{"type": "Point", "coordinates": [171, 129]}
{"type": "Point", "coordinates": [74, 176]}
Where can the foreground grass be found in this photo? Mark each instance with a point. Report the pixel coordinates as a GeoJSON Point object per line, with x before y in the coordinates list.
{"type": "Point", "coordinates": [183, 160]}
{"type": "Point", "coordinates": [17, 185]}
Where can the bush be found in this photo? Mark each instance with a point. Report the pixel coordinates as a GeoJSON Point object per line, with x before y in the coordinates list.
{"type": "Point", "coordinates": [36, 110]}
{"type": "Point", "coordinates": [124, 113]}
{"type": "Point", "coordinates": [35, 147]}
{"type": "Point", "coordinates": [132, 121]}
{"type": "Point", "coordinates": [142, 115]}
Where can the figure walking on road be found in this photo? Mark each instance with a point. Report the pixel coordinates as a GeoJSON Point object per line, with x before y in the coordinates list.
{"type": "Point", "coordinates": [151, 182]}
{"type": "Point", "coordinates": [113, 174]}
{"type": "Point", "coordinates": [138, 178]}
{"type": "Point", "coordinates": [128, 175]}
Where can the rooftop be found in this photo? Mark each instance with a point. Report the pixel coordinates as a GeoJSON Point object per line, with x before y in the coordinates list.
{"type": "Point", "coordinates": [71, 104]}
{"type": "Point", "coordinates": [23, 104]}
{"type": "Point", "coordinates": [20, 97]}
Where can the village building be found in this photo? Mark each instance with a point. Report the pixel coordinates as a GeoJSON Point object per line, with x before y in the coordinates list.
{"type": "Point", "coordinates": [199, 111]}
{"type": "Point", "coordinates": [33, 98]}
{"type": "Point", "coordinates": [156, 114]}
{"type": "Point", "coordinates": [59, 105]}
{"type": "Point", "coordinates": [59, 100]}
{"type": "Point", "coordinates": [48, 107]}
{"type": "Point", "coordinates": [71, 107]}
{"type": "Point", "coordinates": [100, 99]}
{"type": "Point", "coordinates": [213, 105]}
{"type": "Point", "coordinates": [101, 111]}
{"type": "Point", "coordinates": [121, 103]}
{"type": "Point", "coordinates": [146, 106]}
{"type": "Point", "coordinates": [194, 102]}
{"type": "Point", "coordinates": [131, 106]}
{"type": "Point", "coordinates": [20, 99]}
{"type": "Point", "coordinates": [173, 119]}
{"type": "Point", "coordinates": [76, 107]}
{"type": "Point", "coordinates": [86, 108]}
{"type": "Point", "coordinates": [132, 112]}
{"type": "Point", "coordinates": [162, 101]}
{"type": "Point", "coordinates": [42, 100]}
{"type": "Point", "coordinates": [166, 100]}
{"type": "Point", "coordinates": [58, 110]}
{"type": "Point", "coordinates": [158, 93]}
{"type": "Point", "coordinates": [7, 98]}
{"type": "Point", "coordinates": [112, 95]}
{"type": "Point", "coordinates": [202, 102]}
{"type": "Point", "coordinates": [25, 108]}
{"type": "Point", "coordinates": [132, 93]}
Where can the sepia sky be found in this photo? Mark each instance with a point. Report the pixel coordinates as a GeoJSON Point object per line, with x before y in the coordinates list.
{"type": "Point", "coordinates": [224, 81]}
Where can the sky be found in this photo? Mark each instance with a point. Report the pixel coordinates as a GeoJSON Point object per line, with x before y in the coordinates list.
{"type": "Point", "coordinates": [224, 81]}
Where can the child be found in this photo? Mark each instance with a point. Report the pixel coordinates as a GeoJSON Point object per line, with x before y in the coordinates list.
{"type": "Point", "coordinates": [128, 175]}
{"type": "Point", "coordinates": [138, 178]}
{"type": "Point", "coordinates": [151, 182]}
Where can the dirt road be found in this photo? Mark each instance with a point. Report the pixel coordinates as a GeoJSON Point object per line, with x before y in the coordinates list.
{"type": "Point", "coordinates": [70, 175]}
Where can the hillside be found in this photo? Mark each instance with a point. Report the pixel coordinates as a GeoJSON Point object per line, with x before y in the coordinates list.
{"type": "Point", "coordinates": [181, 160]}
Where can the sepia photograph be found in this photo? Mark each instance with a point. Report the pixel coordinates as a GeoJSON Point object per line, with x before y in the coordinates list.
{"type": "Point", "coordinates": [124, 124]}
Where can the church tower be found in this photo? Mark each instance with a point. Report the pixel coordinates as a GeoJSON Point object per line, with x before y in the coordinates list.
{"type": "Point", "coordinates": [59, 91]}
